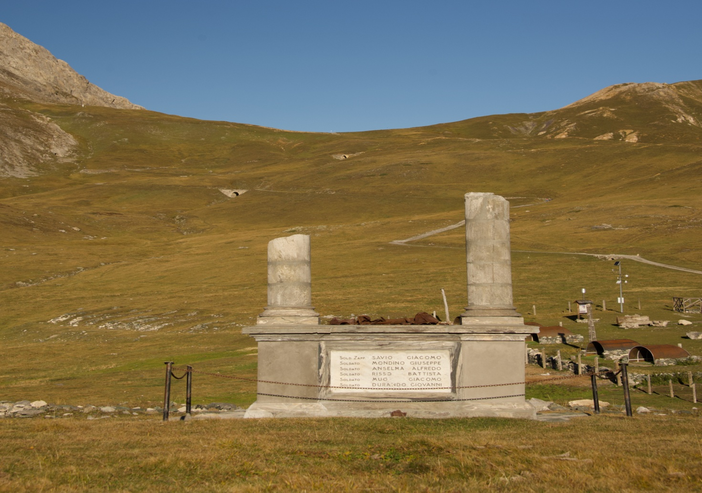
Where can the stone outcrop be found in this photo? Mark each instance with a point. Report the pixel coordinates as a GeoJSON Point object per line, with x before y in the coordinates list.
{"type": "Point", "coordinates": [29, 71]}
{"type": "Point", "coordinates": [30, 140]}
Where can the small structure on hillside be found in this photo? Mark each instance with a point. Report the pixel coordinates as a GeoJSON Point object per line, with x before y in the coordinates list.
{"type": "Point", "coordinates": [584, 306]}
{"type": "Point", "coordinates": [658, 354]}
{"type": "Point", "coordinates": [687, 305]}
{"type": "Point", "coordinates": [612, 349]}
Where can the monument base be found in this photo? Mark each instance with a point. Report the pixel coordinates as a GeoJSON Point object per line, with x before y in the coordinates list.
{"type": "Point", "coordinates": [426, 410]}
{"type": "Point", "coordinates": [428, 371]}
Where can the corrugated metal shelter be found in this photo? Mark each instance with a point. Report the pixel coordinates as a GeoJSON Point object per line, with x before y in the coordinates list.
{"type": "Point", "coordinates": [653, 353]}
{"type": "Point", "coordinates": [604, 347]}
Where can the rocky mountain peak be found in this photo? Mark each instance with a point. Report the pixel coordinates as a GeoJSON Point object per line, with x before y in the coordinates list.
{"type": "Point", "coordinates": [30, 71]}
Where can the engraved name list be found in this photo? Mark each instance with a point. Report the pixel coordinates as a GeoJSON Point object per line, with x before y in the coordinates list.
{"type": "Point", "coordinates": [369, 371]}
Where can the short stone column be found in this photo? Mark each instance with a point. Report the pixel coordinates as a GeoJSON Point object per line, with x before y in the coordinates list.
{"type": "Point", "coordinates": [289, 283]}
{"type": "Point", "coordinates": [488, 258]}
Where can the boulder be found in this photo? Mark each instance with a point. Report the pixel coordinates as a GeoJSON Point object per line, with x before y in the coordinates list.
{"type": "Point", "coordinates": [586, 403]}
{"type": "Point", "coordinates": [539, 405]}
{"type": "Point", "coordinates": [694, 335]}
{"type": "Point", "coordinates": [633, 321]}
{"type": "Point", "coordinates": [682, 321]}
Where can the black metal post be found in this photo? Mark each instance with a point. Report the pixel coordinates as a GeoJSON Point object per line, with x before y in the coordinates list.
{"type": "Point", "coordinates": [188, 389]}
{"type": "Point", "coordinates": [625, 383]}
{"type": "Point", "coordinates": [167, 392]}
{"type": "Point", "coordinates": [595, 397]}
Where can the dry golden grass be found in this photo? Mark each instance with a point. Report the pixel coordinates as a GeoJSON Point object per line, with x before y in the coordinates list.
{"type": "Point", "coordinates": [133, 454]}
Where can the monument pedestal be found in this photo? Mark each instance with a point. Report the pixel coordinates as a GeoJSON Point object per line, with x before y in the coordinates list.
{"type": "Point", "coordinates": [438, 371]}
{"type": "Point", "coordinates": [427, 371]}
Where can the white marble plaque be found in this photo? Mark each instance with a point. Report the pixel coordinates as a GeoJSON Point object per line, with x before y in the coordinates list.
{"type": "Point", "coordinates": [373, 371]}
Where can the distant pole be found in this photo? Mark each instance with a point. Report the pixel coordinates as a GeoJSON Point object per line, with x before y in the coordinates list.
{"type": "Point", "coordinates": [534, 309]}
{"type": "Point", "coordinates": [648, 382]}
{"type": "Point", "coordinates": [620, 281]}
{"type": "Point", "coordinates": [604, 305]}
{"type": "Point", "coordinates": [592, 335]}
{"type": "Point", "coordinates": [670, 386]}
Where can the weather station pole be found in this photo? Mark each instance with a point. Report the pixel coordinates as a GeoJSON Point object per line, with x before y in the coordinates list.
{"type": "Point", "coordinates": [621, 280]}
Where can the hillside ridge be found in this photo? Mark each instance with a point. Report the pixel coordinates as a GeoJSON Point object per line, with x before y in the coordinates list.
{"type": "Point", "coordinates": [30, 71]}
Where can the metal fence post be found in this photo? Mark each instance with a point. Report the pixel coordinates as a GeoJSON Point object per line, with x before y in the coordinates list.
{"type": "Point", "coordinates": [167, 392]}
{"type": "Point", "coordinates": [595, 397]}
{"type": "Point", "coordinates": [625, 383]}
{"type": "Point", "coordinates": [188, 390]}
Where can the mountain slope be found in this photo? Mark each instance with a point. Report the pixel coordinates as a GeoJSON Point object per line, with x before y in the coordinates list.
{"type": "Point", "coordinates": [647, 112]}
{"type": "Point", "coordinates": [31, 72]}
{"type": "Point", "coordinates": [30, 141]}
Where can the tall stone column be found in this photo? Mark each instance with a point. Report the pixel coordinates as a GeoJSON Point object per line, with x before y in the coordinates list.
{"type": "Point", "coordinates": [289, 283]}
{"type": "Point", "coordinates": [488, 258]}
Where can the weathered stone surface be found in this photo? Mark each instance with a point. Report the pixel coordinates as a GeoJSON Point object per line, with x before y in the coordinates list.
{"type": "Point", "coordinates": [488, 256]}
{"type": "Point", "coordinates": [694, 335]}
{"type": "Point", "coordinates": [539, 405]}
{"type": "Point", "coordinates": [586, 403]}
{"type": "Point", "coordinates": [289, 282]}
{"type": "Point", "coordinates": [633, 321]}
{"type": "Point", "coordinates": [682, 321]}
{"type": "Point", "coordinates": [474, 368]}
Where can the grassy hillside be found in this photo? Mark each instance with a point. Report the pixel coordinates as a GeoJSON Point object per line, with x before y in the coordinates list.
{"type": "Point", "coordinates": [129, 254]}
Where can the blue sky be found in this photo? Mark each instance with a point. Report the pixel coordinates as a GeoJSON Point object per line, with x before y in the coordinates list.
{"type": "Point", "coordinates": [336, 66]}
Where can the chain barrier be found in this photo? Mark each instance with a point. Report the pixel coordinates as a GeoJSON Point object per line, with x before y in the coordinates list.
{"type": "Point", "coordinates": [273, 382]}
{"type": "Point", "coordinates": [389, 401]}
{"type": "Point", "coordinates": [189, 370]}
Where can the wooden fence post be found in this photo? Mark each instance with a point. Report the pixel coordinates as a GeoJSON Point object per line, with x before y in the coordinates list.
{"type": "Point", "coordinates": [670, 384]}
{"type": "Point", "coordinates": [692, 386]}
{"type": "Point", "coordinates": [648, 381]}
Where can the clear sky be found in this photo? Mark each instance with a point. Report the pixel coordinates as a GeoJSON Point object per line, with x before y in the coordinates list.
{"type": "Point", "coordinates": [335, 65]}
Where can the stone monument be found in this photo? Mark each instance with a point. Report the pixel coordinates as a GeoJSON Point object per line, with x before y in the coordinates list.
{"type": "Point", "coordinates": [475, 368]}
{"type": "Point", "coordinates": [289, 283]}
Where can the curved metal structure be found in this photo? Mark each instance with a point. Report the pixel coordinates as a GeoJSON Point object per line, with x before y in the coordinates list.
{"type": "Point", "coordinates": [651, 353]}
{"type": "Point", "coordinates": [600, 347]}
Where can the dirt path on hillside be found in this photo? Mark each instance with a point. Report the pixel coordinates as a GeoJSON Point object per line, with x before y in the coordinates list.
{"type": "Point", "coordinates": [607, 256]}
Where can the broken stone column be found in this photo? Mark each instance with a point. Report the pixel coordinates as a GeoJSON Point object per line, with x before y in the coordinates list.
{"type": "Point", "coordinates": [488, 258]}
{"type": "Point", "coordinates": [289, 283]}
